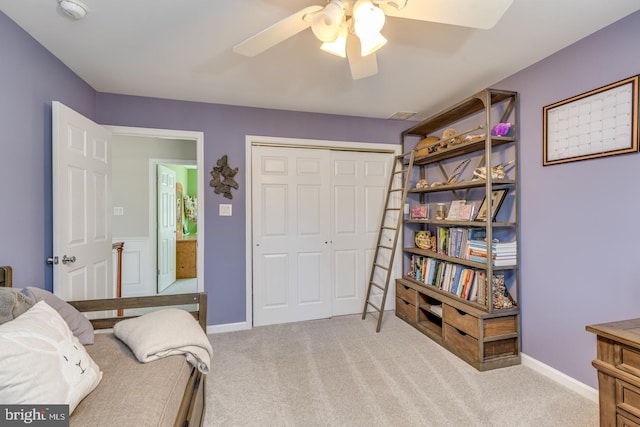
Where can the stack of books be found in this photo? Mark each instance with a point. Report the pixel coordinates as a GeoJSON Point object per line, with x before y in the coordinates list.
{"type": "Point", "coordinates": [502, 253]}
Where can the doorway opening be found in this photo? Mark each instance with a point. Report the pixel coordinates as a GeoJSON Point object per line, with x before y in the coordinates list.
{"type": "Point", "coordinates": [137, 154]}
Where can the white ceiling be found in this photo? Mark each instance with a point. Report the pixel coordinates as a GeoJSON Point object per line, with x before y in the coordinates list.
{"type": "Point", "coordinates": [182, 50]}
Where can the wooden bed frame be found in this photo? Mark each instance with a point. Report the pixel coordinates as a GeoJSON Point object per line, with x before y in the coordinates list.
{"type": "Point", "coordinates": [6, 276]}
{"type": "Point", "coordinates": [192, 407]}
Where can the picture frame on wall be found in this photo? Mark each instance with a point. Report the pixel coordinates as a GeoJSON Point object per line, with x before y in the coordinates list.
{"type": "Point", "coordinates": [497, 197]}
{"type": "Point", "coordinates": [601, 122]}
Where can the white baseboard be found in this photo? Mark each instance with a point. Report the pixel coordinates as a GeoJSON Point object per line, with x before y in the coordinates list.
{"type": "Point", "coordinates": [552, 373]}
{"type": "Point", "coordinates": [228, 327]}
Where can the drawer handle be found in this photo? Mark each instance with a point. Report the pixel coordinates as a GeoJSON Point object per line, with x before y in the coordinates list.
{"type": "Point", "coordinates": [460, 312]}
{"type": "Point", "coordinates": [461, 333]}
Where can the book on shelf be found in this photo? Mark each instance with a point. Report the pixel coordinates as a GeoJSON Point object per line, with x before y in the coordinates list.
{"type": "Point", "coordinates": [481, 286]}
{"type": "Point", "coordinates": [502, 253]}
{"type": "Point", "coordinates": [442, 239]}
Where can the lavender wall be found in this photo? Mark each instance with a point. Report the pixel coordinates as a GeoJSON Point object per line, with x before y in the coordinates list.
{"type": "Point", "coordinates": [225, 128]}
{"type": "Point", "coordinates": [30, 78]}
{"type": "Point", "coordinates": [579, 233]}
{"type": "Point", "coordinates": [578, 219]}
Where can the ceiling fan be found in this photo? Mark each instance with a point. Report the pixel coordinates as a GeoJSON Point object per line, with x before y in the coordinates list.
{"type": "Point", "coordinates": [351, 28]}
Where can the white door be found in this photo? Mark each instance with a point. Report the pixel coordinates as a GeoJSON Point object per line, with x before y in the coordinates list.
{"type": "Point", "coordinates": [291, 234]}
{"type": "Point", "coordinates": [81, 207]}
{"type": "Point", "coordinates": [359, 185]}
{"type": "Point", "coordinates": [166, 201]}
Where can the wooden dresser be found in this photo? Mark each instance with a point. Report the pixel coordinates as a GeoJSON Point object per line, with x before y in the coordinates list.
{"type": "Point", "coordinates": [186, 262]}
{"type": "Point", "coordinates": [618, 365]}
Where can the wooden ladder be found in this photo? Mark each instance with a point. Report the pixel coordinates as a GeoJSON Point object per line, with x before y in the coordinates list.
{"type": "Point", "coordinates": [402, 165]}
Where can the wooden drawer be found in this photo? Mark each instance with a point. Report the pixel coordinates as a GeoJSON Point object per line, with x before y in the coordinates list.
{"type": "Point", "coordinates": [627, 359]}
{"type": "Point", "coordinates": [623, 421]}
{"type": "Point", "coordinates": [406, 311]}
{"type": "Point", "coordinates": [470, 346]}
{"type": "Point", "coordinates": [500, 326]}
{"type": "Point", "coordinates": [461, 342]}
{"type": "Point", "coordinates": [461, 321]}
{"type": "Point", "coordinates": [406, 293]}
{"type": "Point", "coordinates": [628, 397]}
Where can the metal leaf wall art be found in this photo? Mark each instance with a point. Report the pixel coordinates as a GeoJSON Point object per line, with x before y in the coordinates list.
{"type": "Point", "coordinates": [223, 181]}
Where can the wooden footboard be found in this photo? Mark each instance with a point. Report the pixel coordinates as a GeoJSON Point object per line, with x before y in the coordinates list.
{"type": "Point", "coordinates": [165, 301]}
{"type": "Point", "coordinates": [192, 407]}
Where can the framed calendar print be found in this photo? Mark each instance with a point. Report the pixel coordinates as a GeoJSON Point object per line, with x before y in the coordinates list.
{"type": "Point", "coordinates": [598, 123]}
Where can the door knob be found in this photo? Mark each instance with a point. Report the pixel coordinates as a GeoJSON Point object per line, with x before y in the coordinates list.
{"type": "Point", "coordinates": [52, 260]}
{"type": "Point", "coordinates": [68, 260]}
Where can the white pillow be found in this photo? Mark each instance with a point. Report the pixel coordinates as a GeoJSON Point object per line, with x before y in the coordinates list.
{"type": "Point", "coordinates": [43, 362]}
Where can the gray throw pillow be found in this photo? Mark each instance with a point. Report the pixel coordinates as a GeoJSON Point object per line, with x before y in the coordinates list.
{"type": "Point", "coordinates": [13, 304]}
{"type": "Point", "coordinates": [78, 323]}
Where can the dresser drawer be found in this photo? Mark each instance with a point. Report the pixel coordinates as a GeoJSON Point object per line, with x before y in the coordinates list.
{"type": "Point", "coordinates": [406, 293]}
{"type": "Point", "coordinates": [628, 397]}
{"type": "Point", "coordinates": [627, 359]}
{"type": "Point", "coordinates": [461, 321]}
{"type": "Point", "coordinates": [623, 421]}
{"type": "Point", "coordinates": [406, 311]}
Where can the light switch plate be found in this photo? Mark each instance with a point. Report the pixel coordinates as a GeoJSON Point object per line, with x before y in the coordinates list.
{"type": "Point", "coordinates": [225, 209]}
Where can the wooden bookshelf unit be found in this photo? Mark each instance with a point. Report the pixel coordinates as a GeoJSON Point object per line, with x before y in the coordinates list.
{"type": "Point", "coordinates": [468, 305]}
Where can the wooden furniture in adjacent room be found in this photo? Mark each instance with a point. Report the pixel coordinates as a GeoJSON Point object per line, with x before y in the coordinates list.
{"type": "Point", "coordinates": [618, 365]}
{"type": "Point", "coordinates": [482, 332]}
{"type": "Point", "coordinates": [186, 260]}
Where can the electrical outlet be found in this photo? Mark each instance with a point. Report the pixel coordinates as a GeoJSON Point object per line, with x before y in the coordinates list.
{"type": "Point", "coordinates": [118, 211]}
{"type": "Point", "coordinates": [406, 208]}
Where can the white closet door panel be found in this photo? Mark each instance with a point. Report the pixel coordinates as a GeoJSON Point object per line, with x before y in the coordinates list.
{"type": "Point", "coordinates": [359, 187]}
{"type": "Point", "coordinates": [291, 234]}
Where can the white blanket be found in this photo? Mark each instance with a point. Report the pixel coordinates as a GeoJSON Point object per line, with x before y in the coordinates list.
{"type": "Point", "coordinates": [165, 333]}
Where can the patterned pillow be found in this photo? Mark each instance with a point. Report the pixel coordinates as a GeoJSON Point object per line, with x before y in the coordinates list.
{"type": "Point", "coordinates": [43, 362]}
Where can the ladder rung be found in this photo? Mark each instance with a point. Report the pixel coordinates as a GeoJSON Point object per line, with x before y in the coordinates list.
{"type": "Point", "coordinates": [374, 306]}
{"type": "Point", "coordinates": [385, 247]}
{"type": "Point", "coordinates": [392, 209]}
{"type": "Point", "coordinates": [380, 266]}
{"type": "Point", "coordinates": [400, 171]}
{"type": "Point", "coordinates": [389, 228]}
{"type": "Point", "coordinates": [396, 189]}
{"type": "Point", "coordinates": [376, 285]}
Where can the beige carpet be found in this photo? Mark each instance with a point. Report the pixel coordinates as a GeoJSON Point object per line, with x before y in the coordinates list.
{"type": "Point", "coordinates": [339, 372]}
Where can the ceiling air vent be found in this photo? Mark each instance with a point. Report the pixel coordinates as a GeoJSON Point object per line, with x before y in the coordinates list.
{"type": "Point", "coordinates": [402, 115]}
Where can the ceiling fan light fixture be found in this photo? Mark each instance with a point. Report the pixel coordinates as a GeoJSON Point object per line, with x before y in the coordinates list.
{"type": "Point", "coordinates": [326, 24]}
{"type": "Point", "coordinates": [338, 47]}
{"type": "Point", "coordinates": [74, 8]}
{"type": "Point", "coordinates": [371, 43]}
{"type": "Point", "coordinates": [367, 18]}
{"type": "Point", "coordinates": [368, 22]}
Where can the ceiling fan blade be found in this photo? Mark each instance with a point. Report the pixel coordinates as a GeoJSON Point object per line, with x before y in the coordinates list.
{"type": "Point", "coordinates": [278, 32]}
{"type": "Point", "coordinates": [483, 14]}
{"type": "Point", "coordinates": [361, 66]}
